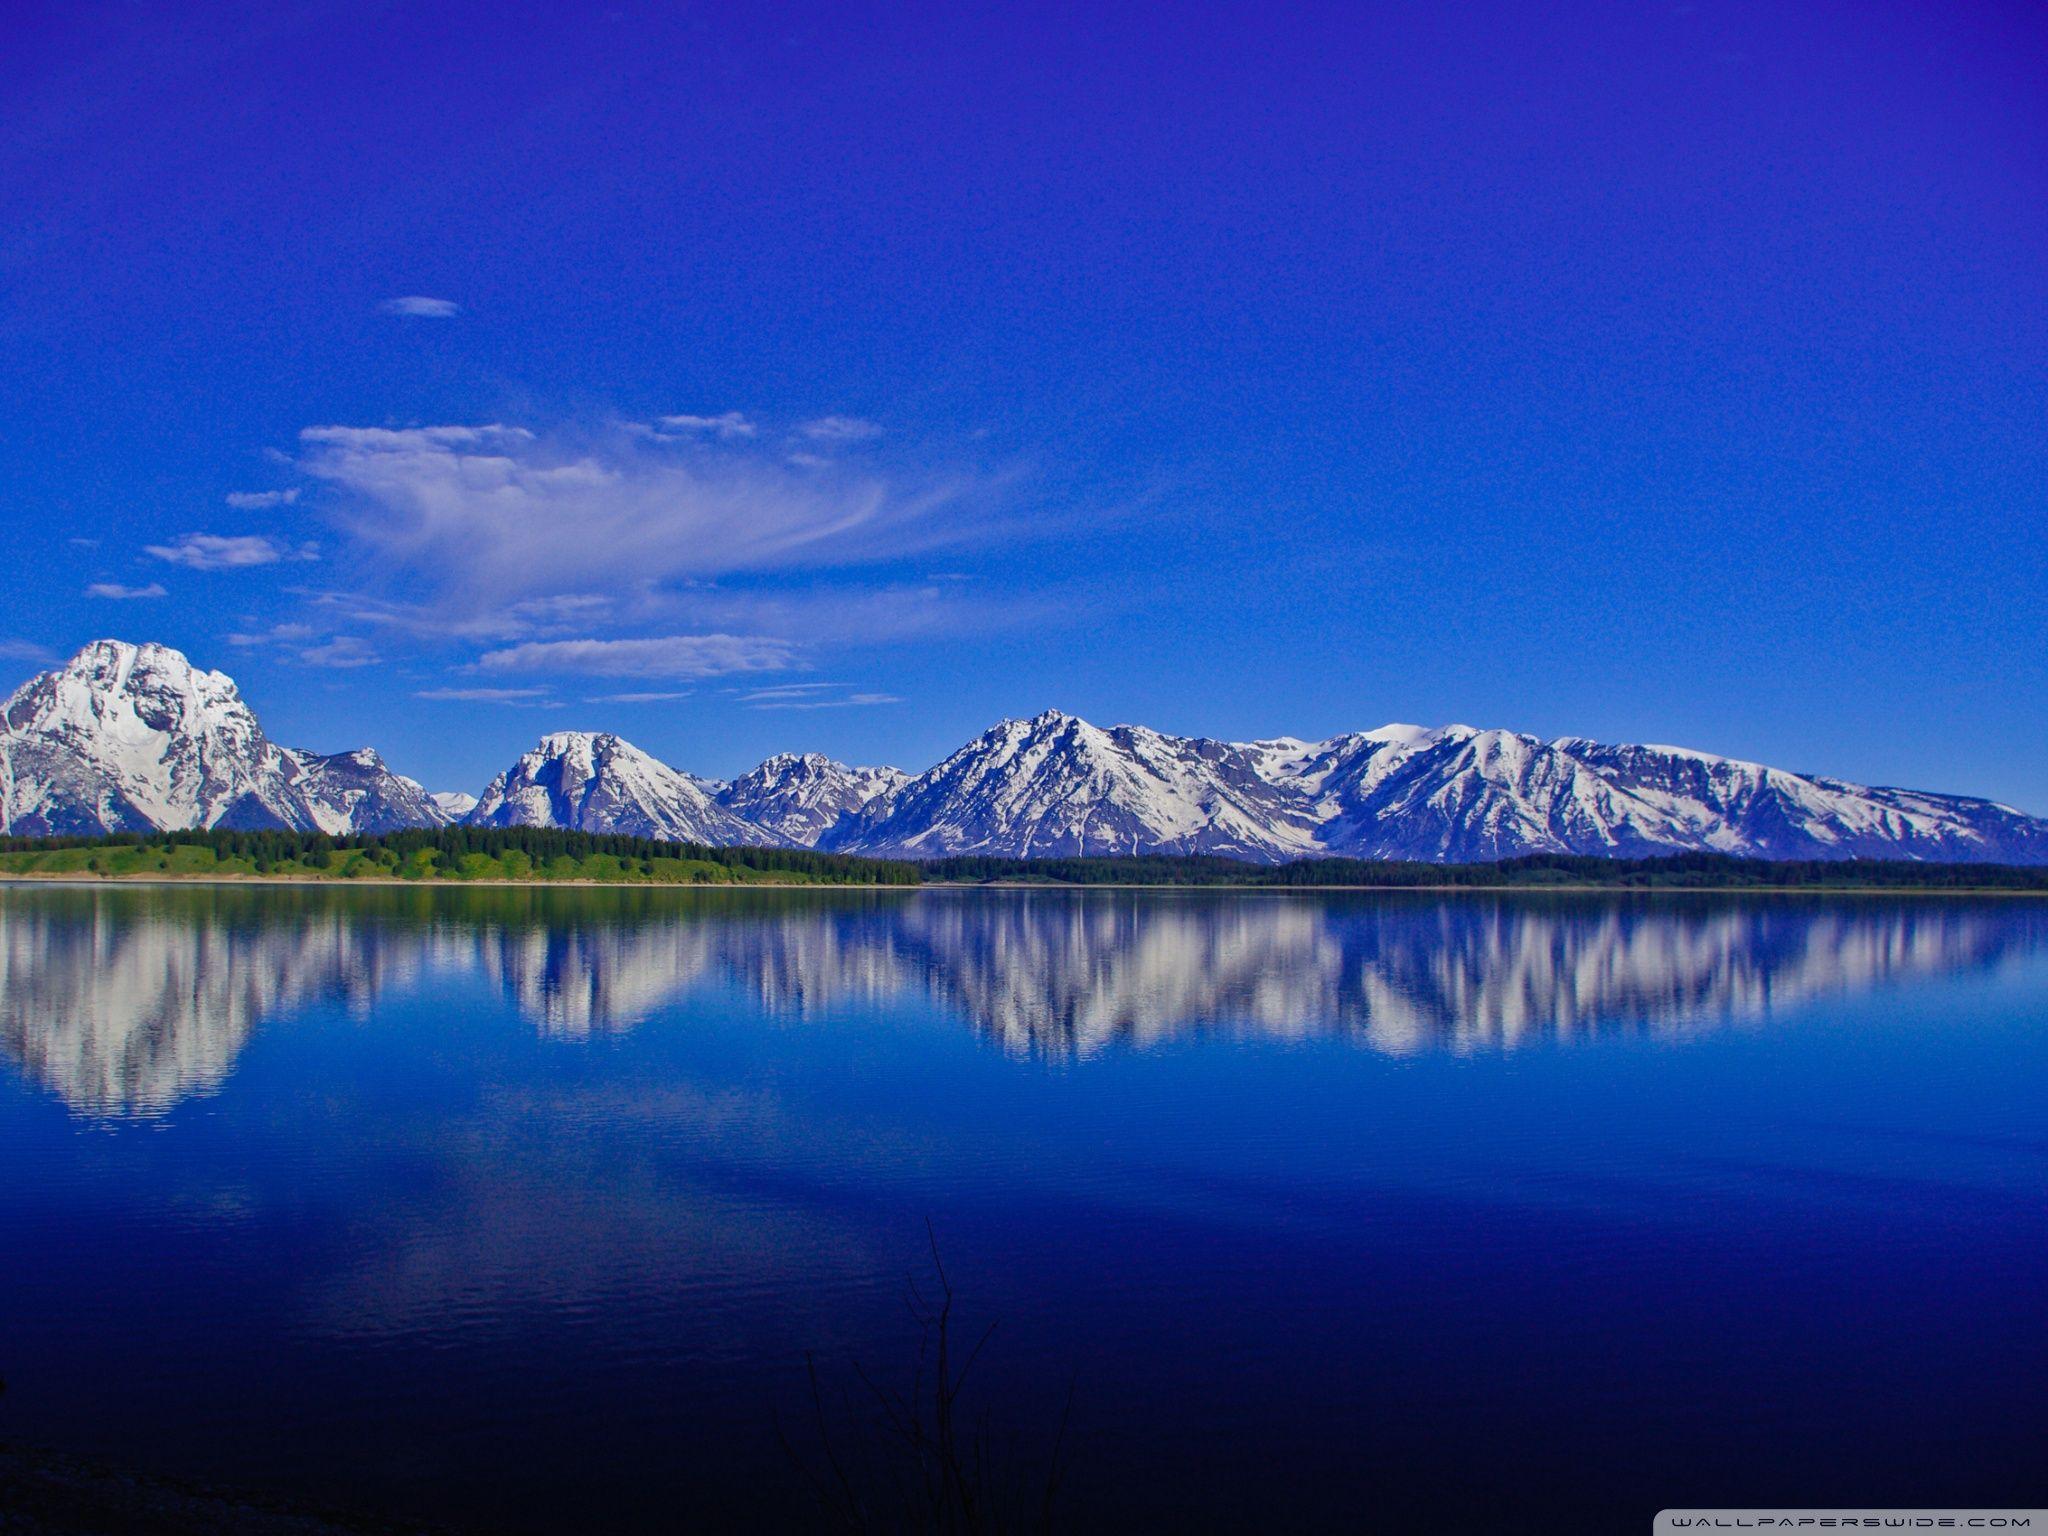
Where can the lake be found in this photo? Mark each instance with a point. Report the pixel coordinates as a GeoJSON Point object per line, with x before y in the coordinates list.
{"type": "Point", "coordinates": [523, 1208]}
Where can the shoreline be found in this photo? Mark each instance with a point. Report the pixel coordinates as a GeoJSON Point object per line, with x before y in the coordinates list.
{"type": "Point", "coordinates": [68, 877]}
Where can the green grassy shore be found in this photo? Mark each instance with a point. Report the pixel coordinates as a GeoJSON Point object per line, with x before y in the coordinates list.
{"type": "Point", "coordinates": [462, 855]}
{"type": "Point", "coordinates": [532, 855]}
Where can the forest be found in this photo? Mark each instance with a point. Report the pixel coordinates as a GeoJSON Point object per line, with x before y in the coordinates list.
{"type": "Point", "coordinates": [551, 854]}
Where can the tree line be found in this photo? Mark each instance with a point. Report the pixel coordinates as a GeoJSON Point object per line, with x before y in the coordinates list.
{"type": "Point", "coordinates": [542, 845]}
{"type": "Point", "coordinates": [1665, 871]}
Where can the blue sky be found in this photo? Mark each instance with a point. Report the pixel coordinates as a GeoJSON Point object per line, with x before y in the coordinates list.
{"type": "Point", "coordinates": [749, 379]}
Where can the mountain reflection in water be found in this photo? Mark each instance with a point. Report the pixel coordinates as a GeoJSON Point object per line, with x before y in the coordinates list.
{"type": "Point", "coordinates": [125, 1002]}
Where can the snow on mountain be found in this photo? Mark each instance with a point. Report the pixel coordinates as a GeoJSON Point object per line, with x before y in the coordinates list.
{"type": "Point", "coordinates": [130, 738]}
{"type": "Point", "coordinates": [1455, 794]}
{"type": "Point", "coordinates": [802, 798]}
{"type": "Point", "coordinates": [134, 738]}
{"type": "Point", "coordinates": [594, 782]}
{"type": "Point", "coordinates": [1058, 785]}
{"type": "Point", "coordinates": [1771, 813]}
{"type": "Point", "coordinates": [355, 792]}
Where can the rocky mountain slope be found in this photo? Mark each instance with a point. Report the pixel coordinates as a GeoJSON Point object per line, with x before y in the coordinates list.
{"type": "Point", "coordinates": [804, 798]}
{"type": "Point", "coordinates": [355, 792]}
{"type": "Point", "coordinates": [595, 782]}
{"type": "Point", "coordinates": [1058, 785]}
{"type": "Point", "coordinates": [126, 738]}
{"type": "Point", "coordinates": [134, 738]}
{"type": "Point", "coordinates": [1458, 794]}
{"type": "Point", "coordinates": [453, 803]}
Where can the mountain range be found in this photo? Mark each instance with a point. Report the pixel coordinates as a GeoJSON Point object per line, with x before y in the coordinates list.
{"type": "Point", "coordinates": [132, 738]}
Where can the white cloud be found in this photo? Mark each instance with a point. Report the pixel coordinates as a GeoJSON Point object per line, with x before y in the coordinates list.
{"type": "Point", "coordinates": [256, 501]}
{"type": "Point", "coordinates": [870, 615]}
{"type": "Point", "coordinates": [791, 698]}
{"type": "Point", "coordinates": [680, 656]}
{"type": "Point", "coordinates": [295, 641]}
{"type": "Point", "coordinates": [114, 589]}
{"type": "Point", "coordinates": [419, 306]}
{"type": "Point", "coordinates": [729, 425]}
{"type": "Point", "coordinates": [542, 613]}
{"type": "Point", "coordinates": [784, 691]}
{"type": "Point", "coordinates": [480, 517]}
{"type": "Point", "coordinates": [83, 543]}
{"type": "Point", "coordinates": [341, 651]}
{"type": "Point", "coordinates": [536, 618]}
{"type": "Point", "coordinates": [409, 437]}
{"type": "Point", "coordinates": [23, 650]}
{"type": "Point", "coordinates": [840, 429]}
{"type": "Point", "coordinates": [484, 695]}
{"type": "Point", "coordinates": [277, 634]}
{"type": "Point", "coordinates": [224, 552]}
{"type": "Point", "coordinates": [639, 698]}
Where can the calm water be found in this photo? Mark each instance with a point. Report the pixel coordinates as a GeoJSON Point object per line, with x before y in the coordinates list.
{"type": "Point", "coordinates": [1537, 1213]}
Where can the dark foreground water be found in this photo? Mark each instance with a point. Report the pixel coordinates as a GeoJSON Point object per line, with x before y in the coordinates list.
{"type": "Point", "coordinates": [522, 1208]}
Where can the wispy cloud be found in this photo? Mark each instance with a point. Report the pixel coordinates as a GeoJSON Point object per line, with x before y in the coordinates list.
{"type": "Point", "coordinates": [226, 552]}
{"type": "Point", "coordinates": [679, 656]}
{"type": "Point", "coordinates": [114, 589]}
{"type": "Point", "coordinates": [24, 650]}
{"type": "Point", "coordinates": [342, 651]}
{"type": "Point", "coordinates": [683, 549]}
{"type": "Point", "coordinates": [256, 501]}
{"type": "Point", "coordinates": [840, 429]}
{"type": "Point", "coordinates": [837, 613]}
{"type": "Point", "coordinates": [785, 691]}
{"type": "Point", "coordinates": [661, 697]}
{"type": "Point", "coordinates": [792, 698]}
{"type": "Point", "coordinates": [728, 425]}
{"type": "Point", "coordinates": [536, 618]}
{"type": "Point", "coordinates": [484, 695]}
{"type": "Point", "coordinates": [277, 634]}
{"type": "Point", "coordinates": [419, 307]}
{"type": "Point", "coordinates": [484, 516]}
{"type": "Point", "coordinates": [297, 642]}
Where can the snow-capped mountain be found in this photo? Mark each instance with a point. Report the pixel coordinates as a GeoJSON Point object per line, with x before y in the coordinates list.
{"type": "Point", "coordinates": [128, 738]}
{"type": "Point", "coordinates": [594, 782]}
{"type": "Point", "coordinates": [803, 798]}
{"type": "Point", "coordinates": [453, 804]}
{"type": "Point", "coordinates": [1058, 785]}
{"type": "Point", "coordinates": [132, 738]}
{"type": "Point", "coordinates": [1776, 814]}
{"type": "Point", "coordinates": [1457, 794]}
{"type": "Point", "coordinates": [355, 792]}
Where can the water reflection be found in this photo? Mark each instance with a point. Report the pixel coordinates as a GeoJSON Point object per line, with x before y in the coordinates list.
{"type": "Point", "coordinates": [126, 1002]}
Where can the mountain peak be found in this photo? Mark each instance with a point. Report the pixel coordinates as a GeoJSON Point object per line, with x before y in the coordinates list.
{"type": "Point", "coordinates": [806, 798]}
{"type": "Point", "coordinates": [555, 743]}
{"type": "Point", "coordinates": [127, 737]}
{"type": "Point", "coordinates": [1055, 785]}
{"type": "Point", "coordinates": [594, 781]}
{"type": "Point", "coordinates": [1407, 735]}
